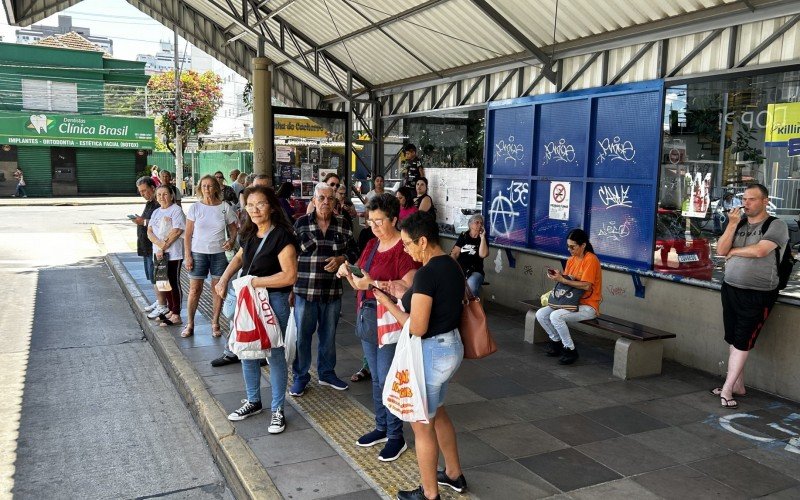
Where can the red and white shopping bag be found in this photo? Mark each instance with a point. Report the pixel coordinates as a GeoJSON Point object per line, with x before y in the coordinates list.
{"type": "Point", "coordinates": [388, 327]}
{"type": "Point", "coordinates": [404, 391]}
{"type": "Point", "coordinates": [255, 327]}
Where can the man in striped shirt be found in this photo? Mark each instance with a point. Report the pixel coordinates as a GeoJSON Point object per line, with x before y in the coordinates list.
{"type": "Point", "coordinates": [326, 242]}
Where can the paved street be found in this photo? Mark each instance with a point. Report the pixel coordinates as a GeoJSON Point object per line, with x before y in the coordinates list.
{"type": "Point", "coordinates": [86, 409]}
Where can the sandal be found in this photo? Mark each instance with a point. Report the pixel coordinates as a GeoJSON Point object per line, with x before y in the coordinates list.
{"type": "Point", "coordinates": [188, 331]}
{"type": "Point", "coordinates": [730, 404]}
{"type": "Point", "coordinates": [165, 321]}
{"type": "Point", "coordinates": [360, 375]}
{"type": "Point", "coordinates": [717, 391]}
{"type": "Point", "coordinates": [216, 331]}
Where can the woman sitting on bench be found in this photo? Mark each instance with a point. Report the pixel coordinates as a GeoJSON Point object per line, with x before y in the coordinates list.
{"type": "Point", "coordinates": [583, 267]}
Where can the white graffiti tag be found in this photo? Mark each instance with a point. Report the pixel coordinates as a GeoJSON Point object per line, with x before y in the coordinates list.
{"type": "Point", "coordinates": [561, 151]}
{"type": "Point", "coordinates": [613, 232]}
{"type": "Point", "coordinates": [787, 426]}
{"type": "Point", "coordinates": [508, 151]}
{"type": "Point", "coordinates": [615, 149]}
{"type": "Point", "coordinates": [502, 215]}
{"type": "Point", "coordinates": [518, 192]}
{"type": "Point", "coordinates": [615, 196]}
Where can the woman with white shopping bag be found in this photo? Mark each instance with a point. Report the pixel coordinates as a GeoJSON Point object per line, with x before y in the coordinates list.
{"type": "Point", "coordinates": [434, 305]}
{"type": "Point", "coordinates": [268, 258]}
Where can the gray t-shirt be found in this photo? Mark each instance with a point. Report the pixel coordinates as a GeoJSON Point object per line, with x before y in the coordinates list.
{"type": "Point", "coordinates": [756, 273]}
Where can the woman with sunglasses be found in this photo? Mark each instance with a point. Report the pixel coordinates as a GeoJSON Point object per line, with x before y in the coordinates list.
{"type": "Point", "coordinates": [582, 272]}
{"type": "Point", "coordinates": [434, 305]}
{"type": "Point", "coordinates": [269, 252]}
{"type": "Point", "coordinates": [382, 264]}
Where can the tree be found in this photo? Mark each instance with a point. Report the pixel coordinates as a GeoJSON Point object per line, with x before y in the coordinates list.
{"type": "Point", "coordinates": [201, 98]}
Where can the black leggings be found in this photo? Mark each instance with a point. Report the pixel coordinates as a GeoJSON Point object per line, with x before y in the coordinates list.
{"type": "Point", "coordinates": [174, 296]}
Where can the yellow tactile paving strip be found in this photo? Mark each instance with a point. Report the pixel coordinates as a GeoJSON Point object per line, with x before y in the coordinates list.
{"type": "Point", "coordinates": [341, 421]}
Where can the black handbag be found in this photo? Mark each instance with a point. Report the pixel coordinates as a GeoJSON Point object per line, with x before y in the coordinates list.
{"type": "Point", "coordinates": [565, 296]}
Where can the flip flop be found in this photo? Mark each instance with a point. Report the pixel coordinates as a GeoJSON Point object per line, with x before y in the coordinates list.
{"type": "Point", "coordinates": [215, 330]}
{"type": "Point", "coordinates": [730, 404]}
{"type": "Point", "coordinates": [188, 331]}
{"type": "Point", "coordinates": [717, 391]}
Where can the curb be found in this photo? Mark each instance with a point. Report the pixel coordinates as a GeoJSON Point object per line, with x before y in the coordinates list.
{"type": "Point", "coordinates": [245, 475]}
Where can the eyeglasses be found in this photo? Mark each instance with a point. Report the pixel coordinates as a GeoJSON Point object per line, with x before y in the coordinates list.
{"type": "Point", "coordinates": [406, 244]}
{"type": "Point", "coordinates": [376, 222]}
{"type": "Point", "coordinates": [334, 185]}
{"type": "Point", "coordinates": [261, 205]}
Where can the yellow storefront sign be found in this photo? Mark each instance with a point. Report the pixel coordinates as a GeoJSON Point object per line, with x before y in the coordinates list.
{"type": "Point", "coordinates": [783, 121]}
{"type": "Point", "coordinates": [299, 127]}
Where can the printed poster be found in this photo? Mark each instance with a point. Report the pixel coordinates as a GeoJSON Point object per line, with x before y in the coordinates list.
{"type": "Point", "coordinates": [559, 200]}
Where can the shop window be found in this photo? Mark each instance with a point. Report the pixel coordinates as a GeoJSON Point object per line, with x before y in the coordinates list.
{"type": "Point", "coordinates": [47, 95]}
{"type": "Point", "coordinates": [719, 137]}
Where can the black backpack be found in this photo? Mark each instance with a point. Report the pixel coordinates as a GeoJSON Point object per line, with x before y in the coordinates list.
{"type": "Point", "coordinates": [785, 264]}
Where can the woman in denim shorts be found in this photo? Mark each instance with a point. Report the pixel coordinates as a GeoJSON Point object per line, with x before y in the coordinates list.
{"type": "Point", "coordinates": [434, 305]}
{"type": "Point", "coordinates": [204, 247]}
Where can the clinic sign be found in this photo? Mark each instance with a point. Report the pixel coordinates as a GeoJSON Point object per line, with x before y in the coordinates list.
{"type": "Point", "coordinates": [76, 131]}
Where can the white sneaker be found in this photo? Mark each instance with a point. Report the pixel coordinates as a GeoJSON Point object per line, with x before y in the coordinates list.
{"type": "Point", "coordinates": [151, 306]}
{"type": "Point", "coordinates": [158, 311]}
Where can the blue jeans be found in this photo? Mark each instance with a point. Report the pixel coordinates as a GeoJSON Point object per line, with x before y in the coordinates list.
{"type": "Point", "coordinates": [20, 191]}
{"type": "Point", "coordinates": [251, 369]}
{"type": "Point", "coordinates": [441, 356]}
{"type": "Point", "coordinates": [322, 317]}
{"type": "Point", "coordinates": [475, 281]}
{"type": "Point", "coordinates": [149, 268]}
{"type": "Point", "coordinates": [379, 361]}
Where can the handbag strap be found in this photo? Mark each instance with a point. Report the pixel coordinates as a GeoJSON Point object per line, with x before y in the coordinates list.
{"type": "Point", "coordinates": [367, 267]}
{"type": "Point", "coordinates": [468, 295]}
{"type": "Point", "coordinates": [260, 245]}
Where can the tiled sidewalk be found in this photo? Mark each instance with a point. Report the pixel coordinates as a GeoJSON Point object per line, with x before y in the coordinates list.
{"type": "Point", "coordinates": [530, 428]}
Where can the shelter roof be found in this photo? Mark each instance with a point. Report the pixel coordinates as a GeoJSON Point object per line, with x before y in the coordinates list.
{"type": "Point", "coordinates": [347, 47]}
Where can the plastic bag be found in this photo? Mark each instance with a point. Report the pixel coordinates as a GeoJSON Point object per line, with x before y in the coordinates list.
{"type": "Point", "coordinates": [404, 391]}
{"type": "Point", "coordinates": [290, 340]}
{"type": "Point", "coordinates": [255, 325]}
{"type": "Point", "coordinates": [388, 327]}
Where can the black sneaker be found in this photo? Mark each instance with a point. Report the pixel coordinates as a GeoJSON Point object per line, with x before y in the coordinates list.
{"type": "Point", "coordinates": [278, 423]}
{"type": "Point", "coordinates": [569, 356]}
{"type": "Point", "coordinates": [247, 410]}
{"type": "Point", "coordinates": [393, 449]}
{"type": "Point", "coordinates": [553, 349]}
{"type": "Point", "coordinates": [224, 360]}
{"type": "Point", "coordinates": [458, 485]}
{"type": "Point", "coordinates": [372, 438]}
{"type": "Point", "coordinates": [418, 494]}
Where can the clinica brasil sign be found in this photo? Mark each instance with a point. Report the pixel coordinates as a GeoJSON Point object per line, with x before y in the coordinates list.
{"type": "Point", "coordinates": [76, 131]}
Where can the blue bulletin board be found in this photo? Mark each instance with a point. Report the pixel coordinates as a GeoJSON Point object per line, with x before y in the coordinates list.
{"type": "Point", "coordinates": [586, 159]}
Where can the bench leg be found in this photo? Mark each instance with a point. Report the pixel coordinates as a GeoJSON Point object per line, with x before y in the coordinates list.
{"type": "Point", "coordinates": [534, 333]}
{"type": "Point", "coordinates": [634, 358]}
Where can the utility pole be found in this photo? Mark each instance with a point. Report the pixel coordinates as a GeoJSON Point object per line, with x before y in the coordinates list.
{"type": "Point", "coordinates": [178, 124]}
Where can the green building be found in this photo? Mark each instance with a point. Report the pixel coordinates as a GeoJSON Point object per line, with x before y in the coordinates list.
{"type": "Point", "coordinates": [71, 119]}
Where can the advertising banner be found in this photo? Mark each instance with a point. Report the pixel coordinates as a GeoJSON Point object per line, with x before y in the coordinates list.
{"type": "Point", "coordinates": [783, 122]}
{"type": "Point", "coordinates": [76, 131]}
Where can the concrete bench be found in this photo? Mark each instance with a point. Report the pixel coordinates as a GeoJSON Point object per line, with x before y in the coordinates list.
{"type": "Point", "coordinates": [637, 353]}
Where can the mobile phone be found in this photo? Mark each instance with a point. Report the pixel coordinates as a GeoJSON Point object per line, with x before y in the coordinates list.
{"type": "Point", "coordinates": [355, 270]}
{"type": "Point", "coordinates": [374, 288]}
{"type": "Point", "coordinates": [551, 271]}
{"type": "Point", "coordinates": [132, 216]}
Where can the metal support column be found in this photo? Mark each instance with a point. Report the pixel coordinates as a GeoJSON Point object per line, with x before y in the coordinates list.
{"type": "Point", "coordinates": [263, 132]}
{"type": "Point", "coordinates": [178, 121]}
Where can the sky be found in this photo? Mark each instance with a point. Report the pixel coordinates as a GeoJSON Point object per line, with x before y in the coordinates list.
{"type": "Point", "coordinates": [133, 32]}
